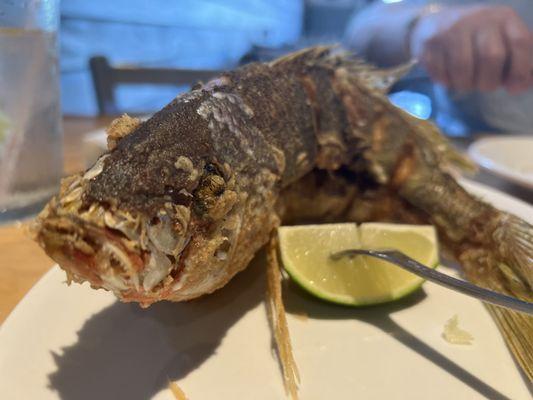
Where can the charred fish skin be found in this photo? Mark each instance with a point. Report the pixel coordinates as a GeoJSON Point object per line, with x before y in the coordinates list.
{"type": "Point", "coordinates": [191, 186]}
{"type": "Point", "coordinates": [212, 164]}
{"type": "Point", "coordinates": [183, 201]}
{"type": "Point", "coordinates": [252, 119]}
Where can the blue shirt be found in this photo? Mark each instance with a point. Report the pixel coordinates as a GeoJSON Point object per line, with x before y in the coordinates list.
{"type": "Point", "coordinates": [204, 34]}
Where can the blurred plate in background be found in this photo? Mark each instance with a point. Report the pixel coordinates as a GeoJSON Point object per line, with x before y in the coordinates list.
{"type": "Point", "coordinates": [94, 145]}
{"type": "Point", "coordinates": [510, 157]}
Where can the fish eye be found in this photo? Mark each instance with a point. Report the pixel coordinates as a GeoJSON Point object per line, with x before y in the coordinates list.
{"type": "Point", "coordinates": [211, 168]}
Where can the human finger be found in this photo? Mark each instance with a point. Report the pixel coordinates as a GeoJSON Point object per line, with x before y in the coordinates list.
{"type": "Point", "coordinates": [520, 46]}
{"type": "Point", "coordinates": [460, 61]}
{"type": "Point", "coordinates": [490, 55]}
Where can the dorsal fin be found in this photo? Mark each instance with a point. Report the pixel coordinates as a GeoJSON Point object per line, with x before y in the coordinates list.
{"type": "Point", "coordinates": [382, 79]}
{"type": "Point", "coordinates": [304, 55]}
{"type": "Point", "coordinates": [335, 57]}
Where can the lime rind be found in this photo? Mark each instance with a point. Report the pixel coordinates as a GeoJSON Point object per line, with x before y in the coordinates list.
{"type": "Point", "coordinates": [395, 293]}
{"type": "Point", "coordinates": [350, 301]}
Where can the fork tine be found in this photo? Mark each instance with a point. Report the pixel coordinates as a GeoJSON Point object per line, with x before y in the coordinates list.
{"type": "Point", "coordinates": [400, 259]}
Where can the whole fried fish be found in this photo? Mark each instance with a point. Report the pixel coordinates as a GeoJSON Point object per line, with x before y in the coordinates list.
{"type": "Point", "coordinates": [183, 201]}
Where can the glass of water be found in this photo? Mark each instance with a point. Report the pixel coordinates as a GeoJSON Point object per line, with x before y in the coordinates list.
{"type": "Point", "coordinates": [31, 161]}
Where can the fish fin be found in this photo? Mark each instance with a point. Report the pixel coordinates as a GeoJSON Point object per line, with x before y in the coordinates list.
{"type": "Point", "coordinates": [514, 240]}
{"type": "Point", "coordinates": [383, 79]}
{"type": "Point", "coordinates": [309, 54]}
{"type": "Point", "coordinates": [377, 79]}
{"type": "Point", "coordinates": [517, 330]}
{"type": "Point", "coordinates": [515, 327]}
{"type": "Point", "coordinates": [507, 268]}
{"type": "Point", "coordinates": [278, 320]}
{"type": "Point", "coordinates": [335, 56]}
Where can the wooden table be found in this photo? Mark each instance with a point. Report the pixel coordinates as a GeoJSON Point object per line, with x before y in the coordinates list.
{"type": "Point", "coordinates": [22, 262]}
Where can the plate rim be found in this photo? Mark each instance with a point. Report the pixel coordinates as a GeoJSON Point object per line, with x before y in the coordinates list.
{"type": "Point", "coordinates": [496, 168]}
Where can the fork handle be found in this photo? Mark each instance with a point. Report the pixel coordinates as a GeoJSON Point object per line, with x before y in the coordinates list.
{"type": "Point", "coordinates": [407, 263]}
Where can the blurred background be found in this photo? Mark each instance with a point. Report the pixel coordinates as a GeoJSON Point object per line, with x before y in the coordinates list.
{"type": "Point", "coordinates": [136, 55]}
{"type": "Point", "coordinates": [185, 34]}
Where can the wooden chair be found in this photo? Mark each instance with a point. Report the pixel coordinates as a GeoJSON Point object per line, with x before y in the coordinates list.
{"type": "Point", "coordinates": [106, 78]}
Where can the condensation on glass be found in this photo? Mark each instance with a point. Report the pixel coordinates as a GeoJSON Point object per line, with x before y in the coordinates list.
{"type": "Point", "coordinates": [31, 160]}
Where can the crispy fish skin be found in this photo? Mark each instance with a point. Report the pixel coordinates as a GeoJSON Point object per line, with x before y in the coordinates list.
{"type": "Point", "coordinates": [193, 189]}
{"type": "Point", "coordinates": [184, 201]}
{"type": "Point", "coordinates": [228, 155]}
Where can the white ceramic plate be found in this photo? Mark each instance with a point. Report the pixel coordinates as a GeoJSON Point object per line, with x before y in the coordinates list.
{"type": "Point", "coordinates": [94, 145]}
{"type": "Point", "coordinates": [510, 157]}
{"type": "Point", "coordinates": [76, 343]}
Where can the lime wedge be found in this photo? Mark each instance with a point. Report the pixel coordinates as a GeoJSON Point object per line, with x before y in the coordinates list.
{"type": "Point", "coordinates": [305, 252]}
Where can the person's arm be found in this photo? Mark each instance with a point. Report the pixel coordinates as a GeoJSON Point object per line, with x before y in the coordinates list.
{"type": "Point", "coordinates": [481, 47]}
{"type": "Point", "coordinates": [379, 32]}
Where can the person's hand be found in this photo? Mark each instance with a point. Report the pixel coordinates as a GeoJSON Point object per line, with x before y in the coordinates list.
{"type": "Point", "coordinates": [475, 47]}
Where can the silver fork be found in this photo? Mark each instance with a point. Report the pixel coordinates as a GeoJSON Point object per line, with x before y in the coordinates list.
{"type": "Point", "coordinates": [398, 258]}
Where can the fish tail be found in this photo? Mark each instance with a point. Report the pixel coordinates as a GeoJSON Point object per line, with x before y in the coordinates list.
{"type": "Point", "coordinates": [505, 265]}
{"type": "Point", "coordinates": [513, 240]}
{"type": "Point", "coordinates": [516, 328]}
{"type": "Point", "coordinates": [494, 248]}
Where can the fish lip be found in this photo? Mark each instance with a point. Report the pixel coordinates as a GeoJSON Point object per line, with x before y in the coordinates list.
{"type": "Point", "coordinates": [78, 265]}
{"type": "Point", "coordinates": [114, 248]}
{"type": "Point", "coordinates": [63, 237]}
{"type": "Point", "coordinates": [79, 247]}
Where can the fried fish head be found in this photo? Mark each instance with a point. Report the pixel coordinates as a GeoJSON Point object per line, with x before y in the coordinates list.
{"type": "Point", "coordinates": [176, 252]}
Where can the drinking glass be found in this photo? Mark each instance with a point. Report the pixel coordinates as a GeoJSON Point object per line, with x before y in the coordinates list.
{"type": "Point", "coordinates": [31, 161]}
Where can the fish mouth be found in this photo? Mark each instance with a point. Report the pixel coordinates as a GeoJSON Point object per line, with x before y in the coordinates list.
{"type": "Point", "coordinates": [92, 253]}
{"type": "Point", "coordinates": [133, 255]}
{"type": "Point", "coordinates": [107, 258]}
